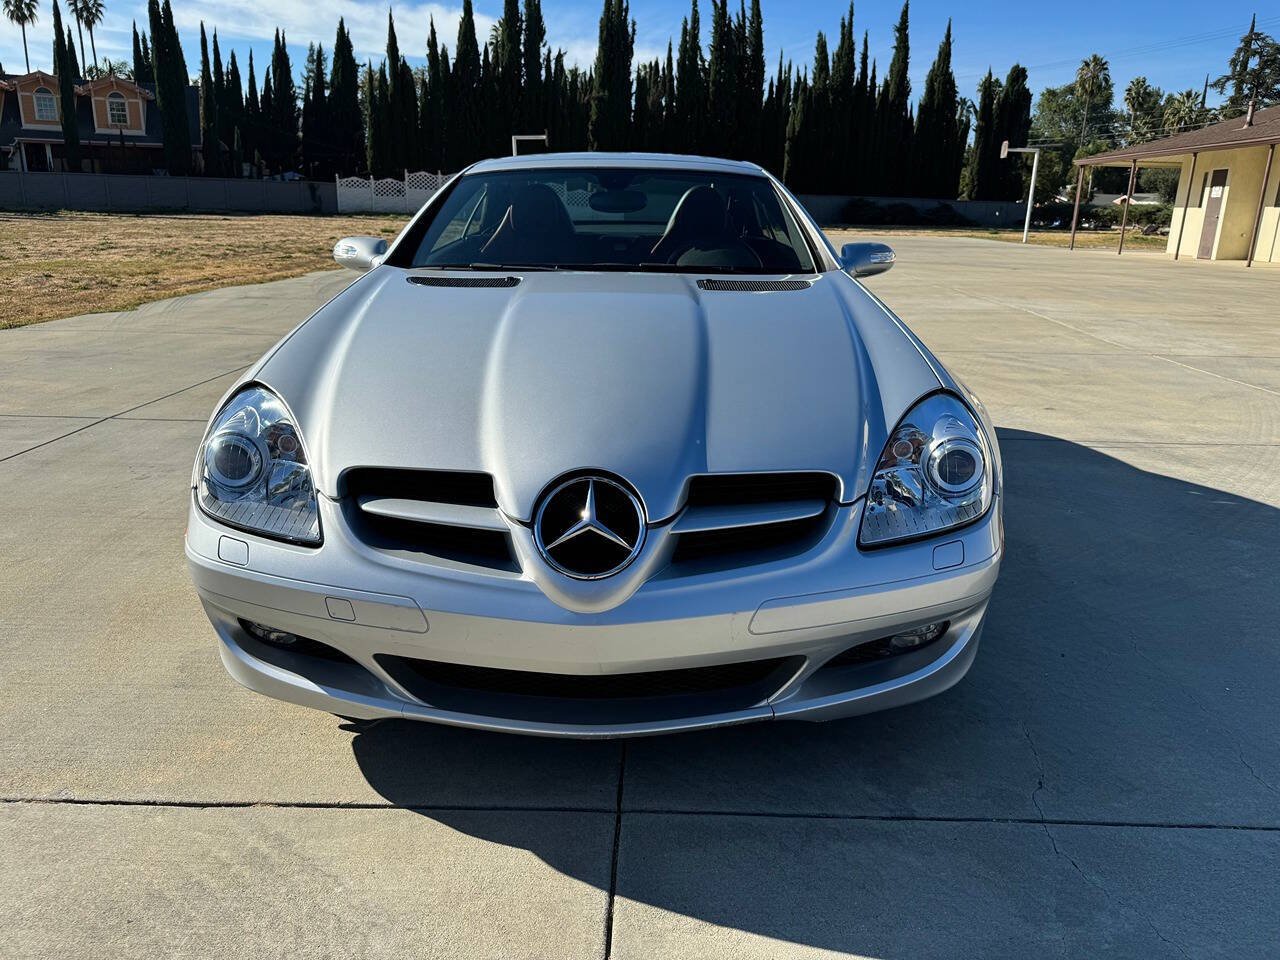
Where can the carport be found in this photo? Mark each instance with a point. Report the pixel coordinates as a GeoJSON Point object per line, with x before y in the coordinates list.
{"type": "Point", "coordinates": [1228, 197]}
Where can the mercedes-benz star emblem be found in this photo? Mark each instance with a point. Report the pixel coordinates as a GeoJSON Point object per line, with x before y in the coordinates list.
{"type": "Point", "coordinates": [589, 527]}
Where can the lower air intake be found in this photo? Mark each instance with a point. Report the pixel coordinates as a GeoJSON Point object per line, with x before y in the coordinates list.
{"type": "Point", "coordinates": [594, 698]}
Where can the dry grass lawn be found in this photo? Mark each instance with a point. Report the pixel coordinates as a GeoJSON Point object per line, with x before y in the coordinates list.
{"type": "Point", "coordinates": [63, 264]}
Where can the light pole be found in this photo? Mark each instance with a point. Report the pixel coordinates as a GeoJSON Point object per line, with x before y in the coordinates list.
{"type": "Point", "coordinates": [1005, 150]}
{"type": "Point", "coordinates": [518, 138]}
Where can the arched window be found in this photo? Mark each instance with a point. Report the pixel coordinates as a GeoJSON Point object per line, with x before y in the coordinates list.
{"type": "Point", "coordinates": [117, 111]}
{"type": "Point", "coordinates": [46, 106]}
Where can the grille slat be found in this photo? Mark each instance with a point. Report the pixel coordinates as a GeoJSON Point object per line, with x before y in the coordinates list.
{"type": "Point", "coordinates": [727, 546]}
{"type": "Point", "coordinates": [425, 512]}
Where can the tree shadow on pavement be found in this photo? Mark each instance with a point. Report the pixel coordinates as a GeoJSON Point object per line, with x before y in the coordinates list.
{"type": "Point", "coordinates": [1127, 676]}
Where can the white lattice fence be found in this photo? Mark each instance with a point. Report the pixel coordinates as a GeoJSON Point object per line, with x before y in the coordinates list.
{"type": "Point", "coordinates": [368, 195]}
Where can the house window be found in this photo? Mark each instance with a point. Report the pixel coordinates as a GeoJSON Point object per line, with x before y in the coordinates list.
{"type": "Point", "coordinates": [117, 111]}
{"type": "Point", "coordinates": [46, 106]}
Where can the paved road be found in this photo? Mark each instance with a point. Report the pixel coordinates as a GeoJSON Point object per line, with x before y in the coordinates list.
{"type": "Point", "coordinates": [1106, 782]}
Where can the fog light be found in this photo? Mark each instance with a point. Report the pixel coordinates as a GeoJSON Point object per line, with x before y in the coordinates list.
{"type": "Point", "coordinates": [270, 635]}
{"type": "Point", "coordinates": [910, 639]}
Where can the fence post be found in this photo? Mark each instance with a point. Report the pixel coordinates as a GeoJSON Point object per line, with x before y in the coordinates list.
{"type": "Point", "coordinates": [337, 194]}
{"type": "Point", "coordinates": [66, 193]}
{"type": "Point", "coordinates": [373, 196]}
{"type": "Point", "coordinates": [22, 181]}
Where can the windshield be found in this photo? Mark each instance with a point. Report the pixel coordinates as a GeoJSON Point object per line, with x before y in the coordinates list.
{"type": "Point", "coordinates": [611, 219]}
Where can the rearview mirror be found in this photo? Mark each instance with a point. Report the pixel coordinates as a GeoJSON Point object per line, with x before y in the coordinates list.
{"type": "Point", "coordinates": [359, 253]}
{"type": "Point", "coordinates": [866, 259]}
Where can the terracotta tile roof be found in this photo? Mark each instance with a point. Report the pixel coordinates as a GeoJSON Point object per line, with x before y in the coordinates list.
{"type": "Point", "coordinates": [1218, 136]}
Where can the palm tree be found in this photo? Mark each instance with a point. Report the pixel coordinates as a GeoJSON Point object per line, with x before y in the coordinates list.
{"type": "Point", "coordinates": [1092, 73]}
{"type": "Point", "coordinates": [92, 12]}
{"type": "Point", "coordinates": [76, 8]}
{"type": "Point", "coordinates": [21, 12]}
{"type": "Point", "coordinates": [1135, 98]}
{"type": "Point", "coordinates": [1183, 110]}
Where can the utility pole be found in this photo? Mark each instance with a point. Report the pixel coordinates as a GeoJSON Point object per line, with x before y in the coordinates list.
{"type": "Point", "coordinates": [1005, 150]}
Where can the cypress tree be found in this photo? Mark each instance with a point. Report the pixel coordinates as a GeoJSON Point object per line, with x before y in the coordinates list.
{"type": "Point", "coordinates": [509, 66]}
{"type": "Point", "coordinates": [690, 85]}
{"type": "Point", "coordinates": [410, 150]}
{"type": "Point", "coordinates": [722, 80]}
{"type": "Point", "coordinates": [316, 125]}
{"type": "Point", "coordinates": [208, 113]}
{"type": "Point", "coordinates": [267, 140]}
{"type": "Point", "coordinates": [895, 101]}
{"type": "Point", "coordinates": [611, 96]}
{"type": "Point", "coordinates": [465, 130]}
{"type": "Point", "coordinates": [432, 117]}
{"type": "Point", "coordinates": [142, 73]}
{"type": "Point", "coordinates": [252, 115]}
{"type": "Point", "coordinates": [982, 175]}
{"type": "Point", "coordinates": [171, 87]}
{"type": "Point", "coordinates": [284, 113]}
{"type": "Point", "coordinates": [396, 146]}
{"type": "Point", "coordinates": [346, 125]}
{"type": "Point", "coordinates": [234, 113]}
{"type": "Point", "coordinates": [844, 115]}
{"type": "Point", "coordinates": [535, 66]}
{"type": "Point", "coordinates": [937, 153]}
{"type": "Point", "coordinates": [63, 65]}
{"type": "Point", "coordinates": [1013, 123]}
{"type": "Point", "coordinates": [69, 52]}
{"type": "Point", "coordinates": [220, 93]}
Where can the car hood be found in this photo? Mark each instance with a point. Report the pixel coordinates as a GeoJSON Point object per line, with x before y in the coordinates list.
{"type": "Point", "coordinates": [645, 376]}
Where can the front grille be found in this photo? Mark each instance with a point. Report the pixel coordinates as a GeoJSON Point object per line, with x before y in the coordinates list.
{"type": "Point", "coordinates": [594, 698]}
{"type": "Point", "coordinates": [737, 546]}
{"type": "Point", "coordinates": [475, 546]}
{"type": "Point", "coordinates": [754, 286]}
{"type": "Point", "coordinates": [472, 282]}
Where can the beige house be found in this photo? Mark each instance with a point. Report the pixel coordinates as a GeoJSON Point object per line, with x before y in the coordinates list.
{"type": "Point", "coordinates": [118, 122]}
{"type": "Point", "coordinates": [1228, 201]}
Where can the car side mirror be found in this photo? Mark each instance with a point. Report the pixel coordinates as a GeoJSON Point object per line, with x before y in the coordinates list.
{"type": "Point", "coordinates": [866, 259]}
{"type": "Point", "coordinates": [359, 253]}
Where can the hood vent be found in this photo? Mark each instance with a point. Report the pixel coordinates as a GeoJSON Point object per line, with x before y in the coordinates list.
{"type": "Point", "coordinates": [754, 286]}
{"type": "Point", "coordinates": [465, 281]}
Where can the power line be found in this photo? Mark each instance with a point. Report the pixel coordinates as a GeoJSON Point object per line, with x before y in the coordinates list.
{"type": "Point", "coordinates": [1155, 47]}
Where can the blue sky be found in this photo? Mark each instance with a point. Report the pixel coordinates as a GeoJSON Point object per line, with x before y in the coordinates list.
{"type": "Point", "coordinates": [1171, 42]}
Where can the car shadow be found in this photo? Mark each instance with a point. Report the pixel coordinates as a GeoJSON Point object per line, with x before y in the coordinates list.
{"type": "Point", "coordinates": [1126, 675]}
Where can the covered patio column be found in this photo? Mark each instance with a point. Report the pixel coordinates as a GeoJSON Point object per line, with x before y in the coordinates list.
{"type": "Point", "coordinates": [1075, 213]}
{"type": "Point", "coordinates": [1128, 202]}
{"type": "Point", "coordinates": [1262, 201]}
{"type": "Point", "coordinates": [1191, 185]}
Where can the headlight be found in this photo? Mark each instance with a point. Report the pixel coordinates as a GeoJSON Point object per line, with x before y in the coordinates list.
{"type": "Point", "coordinates": [935, 474]}
{"type": "Point", "coordinates": [252, 472]}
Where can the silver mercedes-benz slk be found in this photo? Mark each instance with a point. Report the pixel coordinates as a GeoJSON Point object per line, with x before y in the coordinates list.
{"type": "Point", "coordinates": [600, 445]}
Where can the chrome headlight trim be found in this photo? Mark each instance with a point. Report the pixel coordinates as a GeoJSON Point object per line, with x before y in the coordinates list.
{"type": "Point", "coordinates": [935, 475]}
{"type": "Point", "coordinates": [252, 472]}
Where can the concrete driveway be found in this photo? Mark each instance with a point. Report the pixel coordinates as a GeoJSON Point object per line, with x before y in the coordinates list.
{"type": "Point", "coordinates": [1106, 781]}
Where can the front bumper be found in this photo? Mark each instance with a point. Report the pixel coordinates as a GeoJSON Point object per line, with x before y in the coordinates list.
{"type": "Point", "coordinates": [803, 612]}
